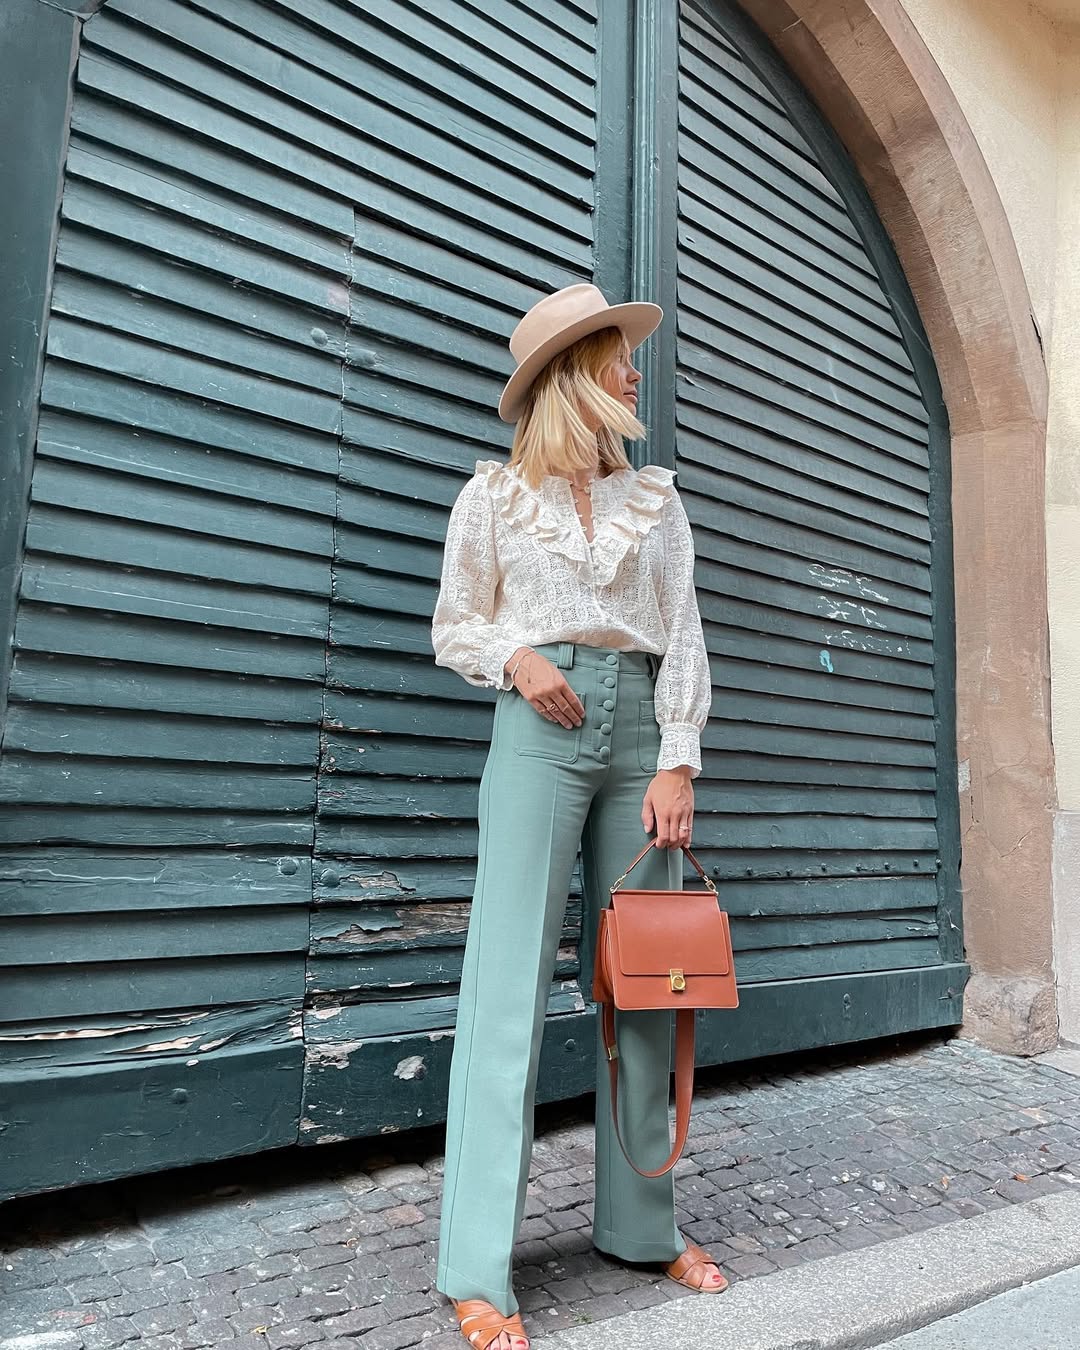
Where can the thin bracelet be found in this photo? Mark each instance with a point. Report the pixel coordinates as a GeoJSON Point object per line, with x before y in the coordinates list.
{"type": "Point", "coordinates": [513, 669]}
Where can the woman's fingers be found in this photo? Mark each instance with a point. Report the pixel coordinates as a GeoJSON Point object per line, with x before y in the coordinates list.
{"type": "Point", "coordinates": [673, 829]}
{"type": "Point", "coordinates": [557, 708]}
{"type": "Point", "coordinates": [560, 704]}
{"type": "Point", "coordinates": [575, 705]}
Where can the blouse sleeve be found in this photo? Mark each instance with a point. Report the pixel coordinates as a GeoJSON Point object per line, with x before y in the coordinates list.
{"type": "Point", "coordinates": [462, 632]}
{"type": "Point", "coordinates": [683, 695]}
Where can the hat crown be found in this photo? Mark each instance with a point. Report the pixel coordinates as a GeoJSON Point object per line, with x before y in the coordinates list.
{"type": "Point", "coordinates": [553, 314]}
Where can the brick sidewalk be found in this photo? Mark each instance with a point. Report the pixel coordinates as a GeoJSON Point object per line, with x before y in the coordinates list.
{"type": "Point", "coordinates": [334, 1247]}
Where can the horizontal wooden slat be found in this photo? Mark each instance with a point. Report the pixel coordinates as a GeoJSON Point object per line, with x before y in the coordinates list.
{"type": "Point", "coordinates": [50, 940]}
{"type": "Point", "coordinates": [130, 986]}
{"type": "Point", "coordinates": [138, 827]}
{"type": "Point", "coordinates": [107, 734]}
{"type": "Point", "coordinates": [111, 1040]}
{"type": "Point", "coordinates": [188, 647]}
{"type": "Point", "coordinates": [86, 883]}
{"type": "Point", "coordinates": [162, 784]}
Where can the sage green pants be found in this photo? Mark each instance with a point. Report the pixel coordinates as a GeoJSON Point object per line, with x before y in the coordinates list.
{"type": "Point", "coordinates": [544, 789]}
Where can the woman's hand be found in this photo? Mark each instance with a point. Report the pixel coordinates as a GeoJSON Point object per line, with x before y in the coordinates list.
{"type": "Point", "coordinates": [669, 807]}
{"type": "Point", "coordinates": [545, 687]}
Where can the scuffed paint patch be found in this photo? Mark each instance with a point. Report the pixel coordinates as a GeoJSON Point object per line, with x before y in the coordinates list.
{"type": "Point", "coordinates": [373, 923]}
{"type": "Point", "coordinates": [389, 1129]}
{"type": "Point", "coordinates": [191, 1063]}
{"type": "Point", "coordinates": [840, 576]}
{"type": "Point", "coordinates": [333, 1056]}
{"type": "Point", "coordinates": [382, 881]}
{"type": "Point", "coordinates": [324, 1014]}
{"type": "Point", "coordinates": [439, 1035]}
{"type": "Point", "coordinates": [826, 661]}
{"type": "Point", "coordinates": [412, 1067]}
{"type": "Point", "coordinates": [331, 1139]}
{"type": "Point", "coordinates": [842, 612]}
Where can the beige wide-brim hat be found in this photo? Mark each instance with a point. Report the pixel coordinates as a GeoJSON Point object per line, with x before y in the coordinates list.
{"type": "Point", "coordinates": [555, 323]}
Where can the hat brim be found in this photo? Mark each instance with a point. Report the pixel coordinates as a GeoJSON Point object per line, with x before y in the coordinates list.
{"type": "Point", "coordinates": [637, 319]}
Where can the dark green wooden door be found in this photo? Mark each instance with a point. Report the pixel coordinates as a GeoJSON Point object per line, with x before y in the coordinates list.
{"type": "Point", "coordinates": [812, 453]}
{"type": "Point", "coordinates": [239, 799]}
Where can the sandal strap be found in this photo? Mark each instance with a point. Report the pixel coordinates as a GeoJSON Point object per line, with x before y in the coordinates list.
{"type": "Point", "coordinates": [486, 1317]}
{"type": "Point", "coordinates": [687, 1260]}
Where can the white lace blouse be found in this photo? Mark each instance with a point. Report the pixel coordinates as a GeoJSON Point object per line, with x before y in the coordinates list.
{"type": "Point", "coordinates": [519, 571]}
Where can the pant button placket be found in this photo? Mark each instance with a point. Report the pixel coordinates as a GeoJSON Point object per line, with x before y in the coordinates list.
{"type": "Point", "coordinates": [609, 683]}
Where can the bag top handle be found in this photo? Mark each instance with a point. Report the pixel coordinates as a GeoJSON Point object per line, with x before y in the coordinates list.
{"type": "Point", "coordinates": [685, 848]}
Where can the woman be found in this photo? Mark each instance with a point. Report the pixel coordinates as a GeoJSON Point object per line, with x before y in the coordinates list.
{"type": "Point", "coordinates": [567, 585]}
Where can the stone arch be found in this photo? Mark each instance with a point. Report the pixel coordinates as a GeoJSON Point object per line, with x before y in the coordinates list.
{"type": "Point", "coordinates": [865, 65]}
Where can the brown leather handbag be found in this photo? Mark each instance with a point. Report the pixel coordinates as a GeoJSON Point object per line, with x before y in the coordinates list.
{"type": "Point", "coordinates": [663, 949]}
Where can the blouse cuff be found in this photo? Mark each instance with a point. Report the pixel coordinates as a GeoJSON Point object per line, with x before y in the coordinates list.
{"type": "Point", "coordinates": [494, 657]}
{"type": "Point", "coordinates": [680, 743]}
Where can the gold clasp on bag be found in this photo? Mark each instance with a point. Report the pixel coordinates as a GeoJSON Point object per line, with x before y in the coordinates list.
{"type": "Point", "coordinates": [678, 979]}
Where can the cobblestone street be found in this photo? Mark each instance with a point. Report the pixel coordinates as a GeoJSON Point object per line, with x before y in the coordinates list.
{"type": "Point", "coordinates": [789, 1160]}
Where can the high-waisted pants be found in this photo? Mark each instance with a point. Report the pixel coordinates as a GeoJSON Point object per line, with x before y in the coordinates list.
{"type": "Point", "coordinates": [544, 789]}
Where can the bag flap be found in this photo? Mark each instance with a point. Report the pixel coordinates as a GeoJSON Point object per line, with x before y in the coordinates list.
{"type": "Point", "coordinates": [656, 931]}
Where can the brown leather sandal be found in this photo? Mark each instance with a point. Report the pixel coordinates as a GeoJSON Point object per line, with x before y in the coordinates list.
{"type": "Point", "coordinates": [689, 1260]}
{"type": "Point", "coordinates": [487, 1322]}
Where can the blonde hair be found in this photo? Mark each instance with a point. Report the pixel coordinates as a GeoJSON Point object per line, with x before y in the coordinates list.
{"type": "Point", "coordinates": [552, 434]}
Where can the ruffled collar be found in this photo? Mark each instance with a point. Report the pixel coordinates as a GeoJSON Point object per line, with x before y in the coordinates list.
{"type": "Point", "coordinates": [626, 505]}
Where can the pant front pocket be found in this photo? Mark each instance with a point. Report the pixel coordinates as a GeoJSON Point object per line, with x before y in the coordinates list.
{"type": "Point", "coordinates": [648, 735]}
{"type": "Point", "coordinates": [535, 735]}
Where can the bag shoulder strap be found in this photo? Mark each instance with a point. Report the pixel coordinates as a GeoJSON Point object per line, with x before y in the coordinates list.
{"type": "Point", "coordinates": [684, 1082]}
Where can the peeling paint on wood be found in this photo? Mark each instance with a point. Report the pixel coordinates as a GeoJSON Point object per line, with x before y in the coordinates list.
{"type": "Point", "coordinates": [410, 1067]}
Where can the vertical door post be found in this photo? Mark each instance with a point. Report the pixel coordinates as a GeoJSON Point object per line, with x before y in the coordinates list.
{"type": "Point", "coordinates": [654, 184]}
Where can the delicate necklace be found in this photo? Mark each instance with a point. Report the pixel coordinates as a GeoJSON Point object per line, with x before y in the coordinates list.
{"type": "Point", "coordinates": [586, 488]}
